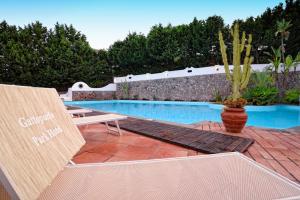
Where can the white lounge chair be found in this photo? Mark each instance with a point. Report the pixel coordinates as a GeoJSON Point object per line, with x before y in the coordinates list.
{"type": "Point", "coordinates": [38, 138]}
{"type": "Point", "coordinates": [101, 119]}
{"type": "Point", "coordinates": [79, 112]}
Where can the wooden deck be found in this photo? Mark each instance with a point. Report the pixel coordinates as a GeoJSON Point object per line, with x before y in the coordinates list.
{"type": "Point", "coordinates": [278, 150]}
{"type": "Point", "coordinates": [199, 140]}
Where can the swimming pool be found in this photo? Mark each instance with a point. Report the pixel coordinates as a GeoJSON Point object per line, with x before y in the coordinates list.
{"type": "Point", "coordinates": [277, 116]}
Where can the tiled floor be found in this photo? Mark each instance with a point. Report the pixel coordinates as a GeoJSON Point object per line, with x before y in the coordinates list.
{"type": "Point", "coordinates": [103, 147]}
{"type": "Point", "coordinates": [277, 150]}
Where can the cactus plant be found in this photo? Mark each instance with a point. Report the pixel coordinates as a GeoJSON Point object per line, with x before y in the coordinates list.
{"type": "Point", "coordinates": [240, 76]}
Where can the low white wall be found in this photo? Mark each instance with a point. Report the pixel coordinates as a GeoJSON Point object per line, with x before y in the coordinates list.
{"type": "Point", "coordinates": [67, 96]}
{"type": "Point", "coordinates": [217, 69]}
{"type": "Point", "coordinates": [81, 86]}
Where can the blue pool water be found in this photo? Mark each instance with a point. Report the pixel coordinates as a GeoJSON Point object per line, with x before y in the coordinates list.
{"type": "Point", "coordinates": [278, 116]}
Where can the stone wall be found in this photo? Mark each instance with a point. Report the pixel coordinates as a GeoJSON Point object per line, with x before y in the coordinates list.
{"type": "Point", "coordinates": [292, 82]}
{"type": "Point", "coordinates": [92, 95]}
{"type": "Point", "coordinates": [193, 88]}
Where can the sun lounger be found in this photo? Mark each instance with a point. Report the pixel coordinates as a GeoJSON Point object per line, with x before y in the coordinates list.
{"type": "Point", "coordinates": [79, 112]}
{"type": "Point", "coordinates": [38, 138]}
{"type": "Point", "coordinates": [101, 119]}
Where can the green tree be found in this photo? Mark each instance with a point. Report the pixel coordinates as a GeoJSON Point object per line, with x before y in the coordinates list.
{"type": "Point", "coordinates": [8, 52]}
{"type": "Point", "coordinates": [37, 56]}
{"type": "Point", "coordinates": [163, 46]}
{"type": "Point", "coordinates": [133, 55]}
{"type": "Point", "coordinates": [282, 29]}
{"type": "Point", "coordinates": [113, 57]}
{"type": "Point", "coordinates": [58, 57]}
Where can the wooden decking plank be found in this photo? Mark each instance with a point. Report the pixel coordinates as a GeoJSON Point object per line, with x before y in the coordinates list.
{"type": "Point", "coordinates": [202, 141]}
{"type": "Point", "coordinates": [243, 146]}
{"type": "Point", "coordinates": [204, 144]}
{"type": "Point", "coordinates": [234, 144]}
{"type": "Point", "coordinates": [190, 137]}
{"type": "Point", "coordinates": [221, 141]}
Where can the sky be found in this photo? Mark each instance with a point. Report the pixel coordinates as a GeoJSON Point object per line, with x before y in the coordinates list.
{"type": "Point", "coordinates": [106, 21]}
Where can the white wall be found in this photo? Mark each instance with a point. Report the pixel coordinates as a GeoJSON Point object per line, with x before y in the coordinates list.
{"type": "Point", "coordinates": [217, 69]}
{"type": "Point", "coordinates": [81, 86]}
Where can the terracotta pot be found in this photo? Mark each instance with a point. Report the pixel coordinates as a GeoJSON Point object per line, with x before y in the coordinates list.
{"type": "Point", "coordinates": [234, 119]}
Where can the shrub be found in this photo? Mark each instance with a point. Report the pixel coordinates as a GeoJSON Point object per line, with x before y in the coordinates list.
{"type": "Point", "coordinates": [262, 91]}
{"type": "Point", "coordinates": [125, 87]}
{"type": "Point", "coordinates": [261, 95]}
{"type": "Point", "coordinates": [261, 79]}
{"type": "Point", "coordinates": [292, 96]}
{"type": "Point", "coordinates": [217, 96]}
{"type": "Point", "coordinates": [136, 97]}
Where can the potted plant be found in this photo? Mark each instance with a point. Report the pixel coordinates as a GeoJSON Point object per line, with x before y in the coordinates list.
{"type": "Point", "coordinates": [234, 116]}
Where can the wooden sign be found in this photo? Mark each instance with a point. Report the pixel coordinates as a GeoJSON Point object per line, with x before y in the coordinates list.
{"type": "Point", "coordinates": [37, 139]}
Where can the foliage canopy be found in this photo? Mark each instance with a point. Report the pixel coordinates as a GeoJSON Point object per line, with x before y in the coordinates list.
{"type": "Point", "coordinates": [38, 56]}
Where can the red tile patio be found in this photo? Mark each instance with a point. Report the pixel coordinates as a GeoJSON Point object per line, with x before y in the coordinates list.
{"type": "Point", "coordinates": [277, 150]}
